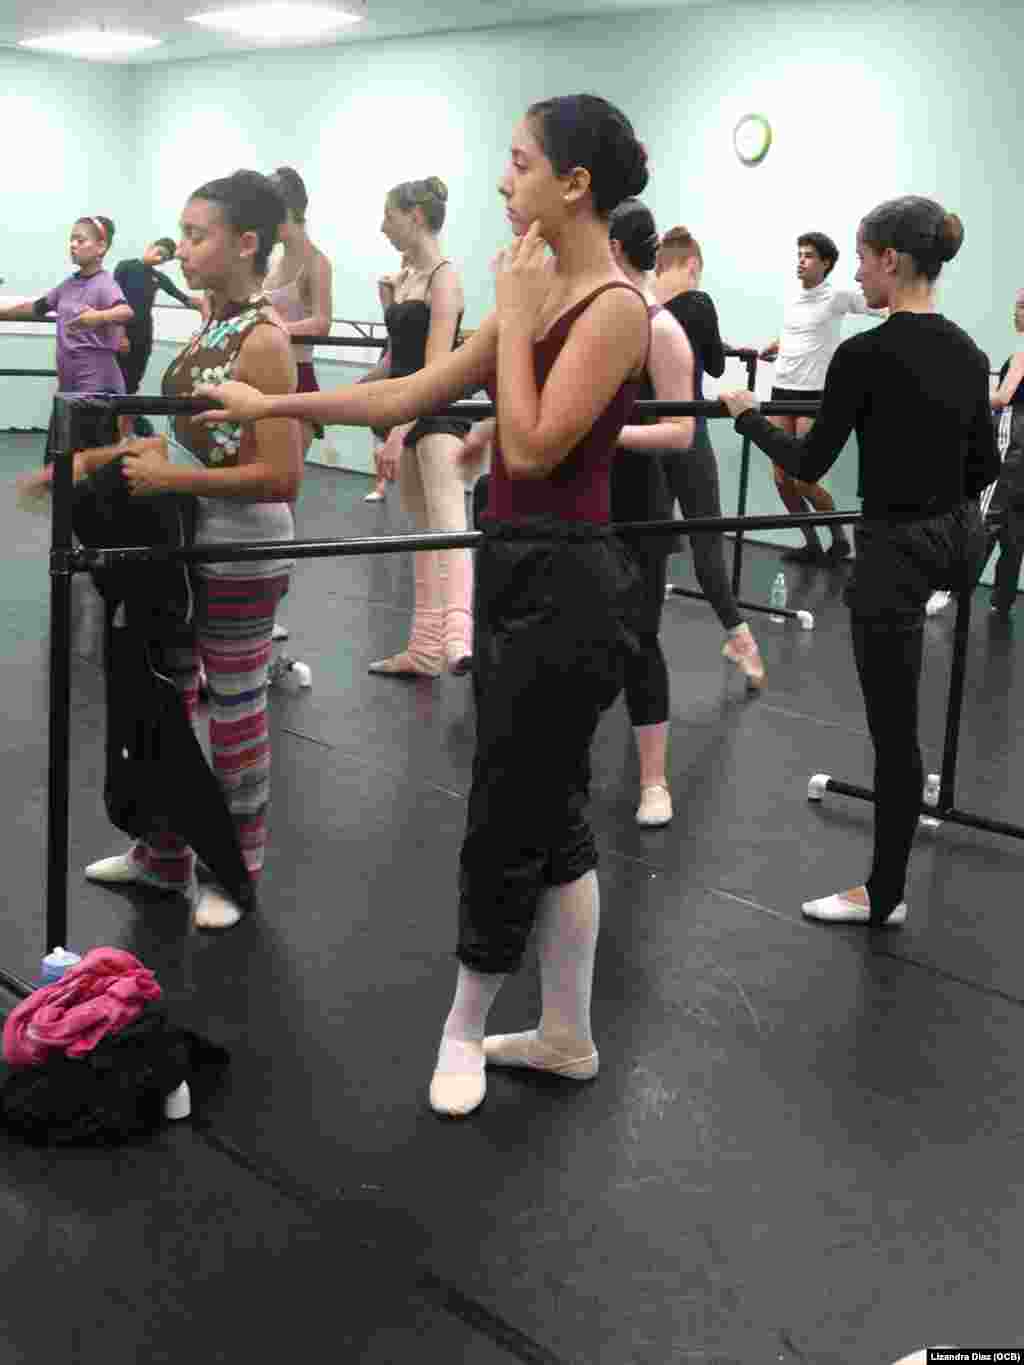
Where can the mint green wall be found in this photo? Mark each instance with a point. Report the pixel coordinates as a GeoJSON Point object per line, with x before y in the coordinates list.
{"type": "Point", "coordinates": [866, 102]}
{"type": "Point", "coordinates": [69, 148]}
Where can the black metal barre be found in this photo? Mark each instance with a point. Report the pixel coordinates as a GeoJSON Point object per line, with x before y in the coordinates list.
{"type": "Point", "coordinates": [65, 561]}
{"type": "Point", "coordinates": [83, 558]}
{"type": "Point", "coordinates": [740, 353]}
{"type": "Point", "coordinates": [365, 340]}
{"type": "Point", "coordinates": [28, 374]}
{"type": "Point", "coordinates": [156, 405]}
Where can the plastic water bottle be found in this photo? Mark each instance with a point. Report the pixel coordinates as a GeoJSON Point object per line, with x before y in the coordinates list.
{"type": "Point", "coordinates": [55, 964]}
{"type": "Point", "coordinates": [777, 601]}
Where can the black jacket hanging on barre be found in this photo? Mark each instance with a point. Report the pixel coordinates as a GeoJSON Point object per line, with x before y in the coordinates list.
{"type": "Point", "coordinates": [157, 777]}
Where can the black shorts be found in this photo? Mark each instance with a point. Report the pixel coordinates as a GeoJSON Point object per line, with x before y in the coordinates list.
{"type": "Point", "coordinates": [797, 395]}
{"type": "Point", "coordinates": [436, 426]}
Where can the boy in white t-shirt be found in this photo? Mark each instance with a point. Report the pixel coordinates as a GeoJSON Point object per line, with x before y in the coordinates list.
{"type": "Point", "coordinates": [810, 335]}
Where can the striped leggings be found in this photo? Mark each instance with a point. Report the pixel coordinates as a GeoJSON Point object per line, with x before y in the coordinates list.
{"type": "Point", "coordinates": [234, 621]}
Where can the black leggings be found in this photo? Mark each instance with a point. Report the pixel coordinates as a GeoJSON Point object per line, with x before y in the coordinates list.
{"type": "Point", "coordinates": [888, 654]}
{"type": "Point", "coordinates": [646, 675]}
{"type": "Point", "coordinates": [1006, 523]}
{"type": "Point", "coordinates": [132, 363]}
{"type": "Point", "coordinates": [693, 478]}
{"type": "Point", "coordinates": [898, 566]}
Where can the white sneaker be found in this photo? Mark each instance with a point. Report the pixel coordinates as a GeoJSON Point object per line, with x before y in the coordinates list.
{"type": "Point", "coordinates": [838, 910]}
{"type": "Point", "coordinates": [280, 632]}
{"type": "Point", "coordinates": [289, 674]}
{"type": "Point", "coordinates": [938, 601]}
{"type": "Point", "coordinates": [655, 807]}
{"type": "Point", "coordinates": [374, 497]}
{"type": "Point", "coordinates": [123, 870]}
{"type": "Point", "coordinates": [120, 869]}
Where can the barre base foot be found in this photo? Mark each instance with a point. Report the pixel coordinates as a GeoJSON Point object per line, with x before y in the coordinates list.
{"type": "Point", "coordinates": [818, 786]}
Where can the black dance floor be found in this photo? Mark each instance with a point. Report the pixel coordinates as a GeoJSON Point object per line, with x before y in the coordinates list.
{"type": "Point", "coordinates": [805, 1144]}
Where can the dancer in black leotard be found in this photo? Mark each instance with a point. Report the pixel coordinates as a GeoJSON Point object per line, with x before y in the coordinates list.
{"type": "Point", "coordinates": [694, 477]}
{"type": "Point", "coordinates": [423, 324]}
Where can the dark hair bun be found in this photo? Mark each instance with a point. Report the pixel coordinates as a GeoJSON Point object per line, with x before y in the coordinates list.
{"type": "Point", "coordinates": [587, 131]}
{"type": "Point", "coordinates": [951, 236]}
{"type": "Point", "coordinates": [632, 224]}
{"type": "Point", "coordinates": [638, 176]}
{"type": "Point", "coordinates": [918, 227]}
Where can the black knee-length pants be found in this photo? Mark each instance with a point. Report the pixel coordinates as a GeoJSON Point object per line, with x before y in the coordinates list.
{"type": "Point", "coordinates": [551, 635]}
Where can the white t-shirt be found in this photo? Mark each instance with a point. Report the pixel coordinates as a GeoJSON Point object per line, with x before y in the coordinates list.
{"type": "Point", "coordinates": [810, 334]}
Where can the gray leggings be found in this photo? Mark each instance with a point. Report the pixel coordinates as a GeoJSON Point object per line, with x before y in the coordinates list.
{"type": "Point", "coordinates": [693, 479]}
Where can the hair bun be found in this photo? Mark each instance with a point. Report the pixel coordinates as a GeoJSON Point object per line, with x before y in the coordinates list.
{"type": "Point", "coordinates": [638, 176]}
{"type": "Point", "coordinates": [437, 187]}
{"type": "Point", "coordinates": [951, 236]}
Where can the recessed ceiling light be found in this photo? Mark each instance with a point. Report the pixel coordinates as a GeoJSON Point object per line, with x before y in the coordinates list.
{"type": "Point", "coordinates": [277, 20]}
{"type": "Point", "coordinates": [95, 43]}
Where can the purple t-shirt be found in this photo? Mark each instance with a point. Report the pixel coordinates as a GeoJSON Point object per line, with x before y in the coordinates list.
{"type": "Point", "coordinates": [87, 357]}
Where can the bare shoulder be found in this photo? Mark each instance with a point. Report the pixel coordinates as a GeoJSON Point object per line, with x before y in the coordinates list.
{"type": "Point", "coordinates": [622, 313]}
{"type": "Point", "coordinates": [670, 332]}
{"type": "Point", "coordinates": [318, 261]}
{"type": "Point", "coordinates": [622, 301]}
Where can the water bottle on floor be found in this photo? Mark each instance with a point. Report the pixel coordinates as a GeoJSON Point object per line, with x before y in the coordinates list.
{"type": "Point", "coordinates": [777, 601]}
{"type": "Point", "coordinates": [56, 963]}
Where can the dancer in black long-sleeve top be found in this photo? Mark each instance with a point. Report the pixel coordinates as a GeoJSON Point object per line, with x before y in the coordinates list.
{"type": "Point", "coordinates": [1006, 511]}
{"type": "Point", "coordinates": [915, 390]}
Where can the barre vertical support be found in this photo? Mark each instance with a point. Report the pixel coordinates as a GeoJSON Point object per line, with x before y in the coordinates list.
{"type": "Point", "coordinates": [946, 811]}
{"type": "Point", "coordinates": [60, 682]}
{"type": "Point", "coordinates": [804, 617]}
{"type": "Point", "coordinates": [741, 504]}
{"type": "Point", "coordinates": [955, 702]}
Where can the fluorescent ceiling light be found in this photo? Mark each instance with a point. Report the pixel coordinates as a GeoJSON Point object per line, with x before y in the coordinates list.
{"type": "Point", "coordinates": [96, 43]}
{"type": "Point", "coordinates": [277, 20]}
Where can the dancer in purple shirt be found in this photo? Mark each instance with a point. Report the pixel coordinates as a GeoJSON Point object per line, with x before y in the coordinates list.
{"type": "Point", "coordinates": [91, 313]}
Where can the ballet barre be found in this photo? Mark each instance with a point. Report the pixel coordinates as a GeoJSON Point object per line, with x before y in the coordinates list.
{"type": "Point", "coordinates": [66, 560]}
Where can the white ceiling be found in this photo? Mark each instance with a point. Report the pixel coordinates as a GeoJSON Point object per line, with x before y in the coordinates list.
{"type": "Point", "coordinates": [385, 19]}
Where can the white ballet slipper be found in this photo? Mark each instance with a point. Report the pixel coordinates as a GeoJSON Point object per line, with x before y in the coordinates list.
{"type": "Point", "coordinates": [838, 910]}
{"type": "Point", "coordinates": [459, 1083]}
{"type": "Point", "coordinates": [655, 807]}
{"type": "Point", "coordinates": [215, 910]}
{"type": "Point", "coordinates": [577, 1062]}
